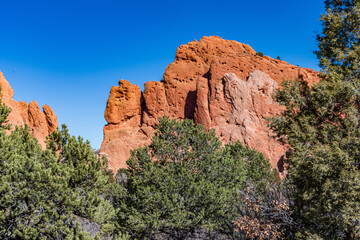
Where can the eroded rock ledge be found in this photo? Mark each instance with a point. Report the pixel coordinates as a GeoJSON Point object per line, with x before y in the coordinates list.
{"type": "Point", "coordinates": [219, 83]}
{"type": "Point", "coordinates": [42, 123]}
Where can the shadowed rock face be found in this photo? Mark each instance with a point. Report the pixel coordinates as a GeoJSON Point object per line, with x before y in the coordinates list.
{"type": "Point", "coordinates": [41, 123]}
{"type": "Point", "coordinates": [219, 83]}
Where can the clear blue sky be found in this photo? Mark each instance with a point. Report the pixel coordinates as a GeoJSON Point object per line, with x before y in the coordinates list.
{"type": "Point", "coordinates": [68, 54]}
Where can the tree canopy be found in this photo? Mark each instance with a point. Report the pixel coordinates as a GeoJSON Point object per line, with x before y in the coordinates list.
{"type": "Point", "coordinates": [57, 193]}
{"type": "Point", "coordinates": [321, 125]}
{"type": "Point", "coordinates": [184, 185]}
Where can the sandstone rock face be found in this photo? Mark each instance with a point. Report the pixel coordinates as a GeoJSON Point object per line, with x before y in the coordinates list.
{"type": "Point", "coordinates": [124, 105]}
{"type": "Point", "coordinates": [219, 83]}
{"type": "Point", "coordinates": [41, 123]}
{"type": "Point", "coordinates": [251, 102]}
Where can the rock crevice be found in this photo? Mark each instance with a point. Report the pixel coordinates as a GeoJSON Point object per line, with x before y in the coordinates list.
{"type": "Point", "coordinates": [219, 83]}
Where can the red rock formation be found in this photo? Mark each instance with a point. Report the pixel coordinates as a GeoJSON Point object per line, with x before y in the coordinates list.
{"type": "Point", "coordinates": [41, 123]}
{"type": "Point", "coordinates": [219, 83]}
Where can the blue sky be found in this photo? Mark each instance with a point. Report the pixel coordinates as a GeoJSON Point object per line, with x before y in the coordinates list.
{"type": "Point", "coordinates": [68, 54]}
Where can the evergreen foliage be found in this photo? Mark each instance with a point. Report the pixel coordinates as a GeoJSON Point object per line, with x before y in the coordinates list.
{"type": "Point", "coordinates": [4, 113]}
{"type": "Point", "coordinates": [260, 54]}
{"type": "Point", "coordinates": [261, 204]}
{"type": "Point", "coordinates": [53, 194]}
{"type": "Point", "coordinates": [185, 186]}
{"type": "Point", "coordinates": [258, 168]}
{"type": "Point", "coordinates": [321, 124]}
{"type": "Point", "coordinates": [339, 42]}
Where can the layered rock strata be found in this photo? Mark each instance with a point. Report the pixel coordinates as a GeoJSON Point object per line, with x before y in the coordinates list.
{"type": "Point", "coordinates": [219, 83]}
{"type": "Point", "coordinates": [42, 123]}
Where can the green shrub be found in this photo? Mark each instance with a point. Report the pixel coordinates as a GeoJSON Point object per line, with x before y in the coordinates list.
{"type": "Point", "coordinates": [58, 193]}
{"type": "Point", "coordinates": [260, 54]}
{"type": "Point", "coordinates": [184, 185]}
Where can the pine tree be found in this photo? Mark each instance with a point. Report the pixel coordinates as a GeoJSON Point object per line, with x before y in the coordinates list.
{"type": "Point", "coordinates": [59, 193]}
{"type": "Point", "coordinates": [88, 179]}
{"type": "Point", "coordinates": [261, 204]}
{"type": "Point", "coordinates": [339, 42]}
{"type": "Point", "coordinates": [258, 168]}
{"type": "Point", "coordinates": [321, 124]}
{"type": "Point", "coordinates": [184, 185]}
{"type": "Point", "coordinates": [177, 186]}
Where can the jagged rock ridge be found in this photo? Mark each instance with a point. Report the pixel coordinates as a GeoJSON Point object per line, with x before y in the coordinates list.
{"type": "Point", "coordinates": [41, 123]}
{"type": "Point", "coordinates": [219, 83]}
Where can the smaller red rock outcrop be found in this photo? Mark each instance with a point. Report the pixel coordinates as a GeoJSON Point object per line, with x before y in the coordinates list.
{"type": "Point", "coordinates": [221, 84]}
{"type": "Point", "coordinates": [41, 123]}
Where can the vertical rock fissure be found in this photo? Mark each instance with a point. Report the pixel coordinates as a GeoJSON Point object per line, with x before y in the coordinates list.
{"type": "Point", "coordinates": [194, 86]}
